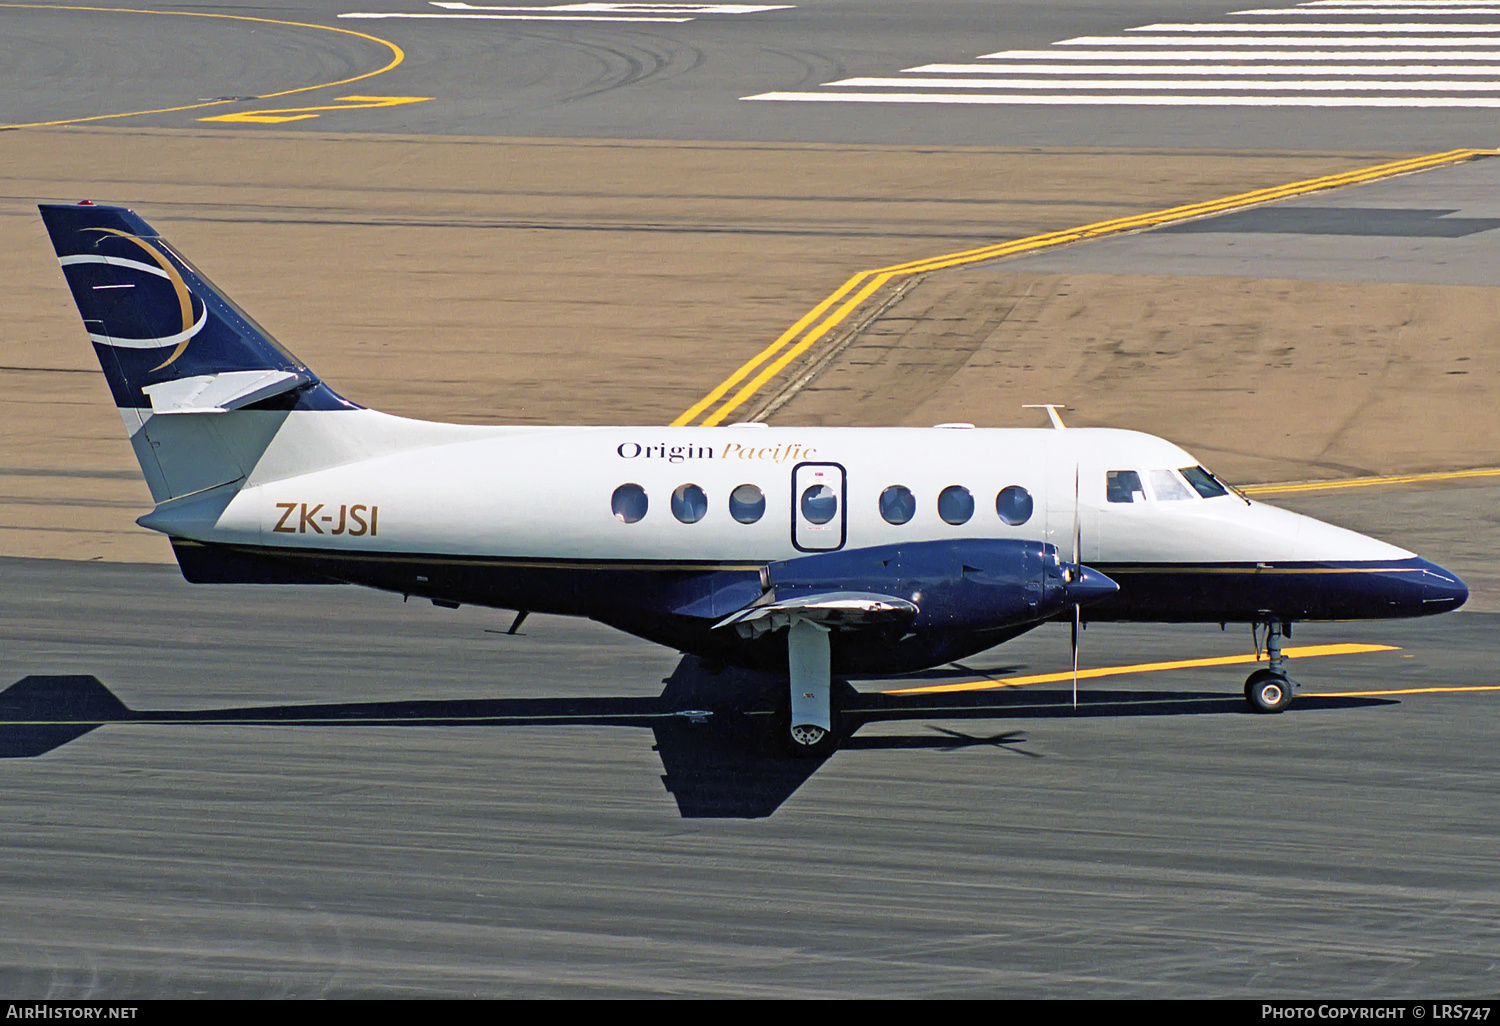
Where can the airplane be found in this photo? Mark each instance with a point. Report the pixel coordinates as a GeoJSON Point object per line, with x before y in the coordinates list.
{"type": "Point", "coordinates": [809, 552]}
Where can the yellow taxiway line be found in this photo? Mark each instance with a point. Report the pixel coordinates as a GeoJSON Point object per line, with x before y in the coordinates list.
{"type": "Point", "coordinates": [397, 56]}
{"type": "Point", "coordinates": [1296, 652]}
{"type": "Point", "coordinates": [1406, 691]}
{"type": "Point", "coordinates": [809, 329]}
{"type": "Point", "coordinates": [1368, 482]}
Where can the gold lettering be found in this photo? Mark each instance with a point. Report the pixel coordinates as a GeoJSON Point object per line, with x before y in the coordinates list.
{"type": "Point", "coordinates": [309, 519]}
{"type": "Point", "coordinates": [354, 515]}
{"type": "Point", "coordinates": [287, 509]}
{"type": "Point", "coordinates": [340, 529]}
{"type": "Point", "coordinates": [374, 513]}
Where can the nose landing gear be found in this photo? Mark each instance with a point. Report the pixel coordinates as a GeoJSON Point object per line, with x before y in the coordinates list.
{"type": "Point", "coordinates": [1269, 689]}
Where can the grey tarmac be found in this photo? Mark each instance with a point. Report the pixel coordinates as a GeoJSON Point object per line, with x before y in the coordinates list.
{"type": "Point", "coordinates": [647, 80]}
{"type": "Point", "coordinates": [244, 791]}
{"type": "Point", "coordinates": [1162, 842]}
{"type": "Point", "coordinates": [270, 792]}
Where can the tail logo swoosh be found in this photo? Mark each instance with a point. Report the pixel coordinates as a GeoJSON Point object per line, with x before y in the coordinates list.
{"type": "Point", "coordinates": [190, 326]}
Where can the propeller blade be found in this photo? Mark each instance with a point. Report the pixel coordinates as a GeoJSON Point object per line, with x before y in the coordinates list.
{"type": "Point", "coordinates": [1077, 533]}
{"type": "Point", "coordinates": [1076, 615]}
{"type": "Point", "coordinates": [1077, 572]}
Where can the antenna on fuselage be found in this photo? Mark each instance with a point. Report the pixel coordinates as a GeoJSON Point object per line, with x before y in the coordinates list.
{"type": "Point", "coordinates": [1051, 409]}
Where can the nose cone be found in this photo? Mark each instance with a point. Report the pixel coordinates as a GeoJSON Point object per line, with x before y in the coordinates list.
{"type": "Point", "coordinates": [1440, 590]}
{"type": "Point", "coordinates": [1088, 586]}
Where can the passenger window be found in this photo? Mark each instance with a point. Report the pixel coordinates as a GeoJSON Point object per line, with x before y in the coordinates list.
{"type": "Point", "coordinates": [955, 505]}
{"type": "Point", "coordinates": [1014, 505]}
{"type": "Point", "coordinates": [747, 503]}
{"type": "Point", "coordinates": [689, 503]}
{"type": "Point", "coordinates": [628, 503]}
{"type": "Point", "coordinates": [897, 504]}
{"type": "Point", "coordinates": [1203, 482]}
{"type": "Point", "coordinates": [819, 504]}
{"type": "Point", "coordinates": [1123, 486]}
{"type": "Point", "coordinates": [1167, 488]}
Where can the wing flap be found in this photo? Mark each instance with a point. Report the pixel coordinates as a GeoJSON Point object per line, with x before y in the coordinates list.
{"type": "Point", "coordinates": [836, 610]}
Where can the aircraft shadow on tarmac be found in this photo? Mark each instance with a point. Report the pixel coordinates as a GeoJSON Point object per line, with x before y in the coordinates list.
{"type": "Point", "coordinates": [718, 734]}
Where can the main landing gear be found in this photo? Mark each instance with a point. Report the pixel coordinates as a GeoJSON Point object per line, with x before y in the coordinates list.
{"type": "Point", "coordinates": [812, 730]}
{"type": "Point", "coordinates": [1268, 689]}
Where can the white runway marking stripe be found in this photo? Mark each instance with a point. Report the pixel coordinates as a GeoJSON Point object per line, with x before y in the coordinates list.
{"type": "Point", "coordinates": [1177, 69]}
{"type": "Point", "coordinates": [429, 16]}
{"type": "Point", "coordinates": [1397, 27]}
{"type": "Point", "coordinates": [1327, 85]}
{"type": "Point", "coordinates": [1278, 12]}
{"type": "Point", "coordinates": [1386, 6]}
{"type": "Point", "coordinates": [1148, 101]}
{"type": "Point", "coordinates": [1239, 55]}
{"type": "Point", "coordinates": [667, 14]}
{"type": "Point", "coordinates": [1283, 41]}
{"type": "Point", "coordinates": [1416, 53]}
{"type": "Point", "coordinates": [1368, 11]}
{"type": "Point", "coordinates": [614, 8]}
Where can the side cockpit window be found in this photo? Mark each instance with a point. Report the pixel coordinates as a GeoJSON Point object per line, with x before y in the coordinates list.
{"type": "Point", "coordinates": [1168, 487]}
{"type": "Point", "coordinates": [1123, 486]}
{"type": "Point", "coordinates": [1204, 483]}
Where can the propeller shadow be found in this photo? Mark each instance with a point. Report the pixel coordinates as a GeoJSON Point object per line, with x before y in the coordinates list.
{"type": "Point", "coordinates": [717, 733]}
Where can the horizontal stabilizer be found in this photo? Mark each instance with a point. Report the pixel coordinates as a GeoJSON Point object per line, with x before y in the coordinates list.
{"type": "Point", "coordinates": [220, 393]}
{"type": "Point", "coordinates": [832, 609]}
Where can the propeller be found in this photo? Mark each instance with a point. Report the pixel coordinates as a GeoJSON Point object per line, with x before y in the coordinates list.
{"type": "Point", "coordinates": [1075, 573]}
{"type": "Point", "coordinates": [1083, 584]}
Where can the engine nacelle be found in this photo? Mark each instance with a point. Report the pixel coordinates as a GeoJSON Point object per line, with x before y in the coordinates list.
{"type": "Point", "coordinates": [970, 584]}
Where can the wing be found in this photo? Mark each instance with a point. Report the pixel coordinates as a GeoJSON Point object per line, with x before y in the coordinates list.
{"type": "Point", "coordinates": [835, 610]}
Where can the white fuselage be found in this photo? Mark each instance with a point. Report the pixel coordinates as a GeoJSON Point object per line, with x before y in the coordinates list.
{"type": "Point", "coordinates": [546, 493]}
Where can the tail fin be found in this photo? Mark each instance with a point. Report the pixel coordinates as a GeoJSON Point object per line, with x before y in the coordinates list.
{"type": "Point", "coordinates": [175, 350]}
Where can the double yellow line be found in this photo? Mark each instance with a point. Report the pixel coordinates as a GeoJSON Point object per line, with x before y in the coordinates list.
{"type": "Point", "coordinates": [1367, 482]}
{"type": "Point", "coordinates": [757, 372]}
{"type": "Point", "coordinates": [397, 56]}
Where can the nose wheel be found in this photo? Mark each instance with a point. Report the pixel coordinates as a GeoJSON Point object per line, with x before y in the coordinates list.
{"type": "Point", "coordinates": [1269, 690]}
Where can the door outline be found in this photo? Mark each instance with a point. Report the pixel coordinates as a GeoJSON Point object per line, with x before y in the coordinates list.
{"type": "Point", "coordinates": [842, 519]}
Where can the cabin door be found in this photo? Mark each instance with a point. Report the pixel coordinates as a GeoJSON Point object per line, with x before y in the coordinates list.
{"type": "Point", "coordinates": [819, 519]}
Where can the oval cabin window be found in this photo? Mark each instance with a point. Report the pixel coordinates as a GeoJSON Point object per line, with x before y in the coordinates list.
{"type": "Point", "coordinates": [747, 504]}
{"type": "Point", "coordinates": [628, 503]}
{"type": "Point", "coordinates": [955, 505]}
{"type": "Point", "coordinates": [897, 504]}
{"type": "Point", "coordinates": [689, 503]}
{"type": "Point", "coordinates": [1014, 505]}
{"type": "Point", "coordinates": [819, 504]}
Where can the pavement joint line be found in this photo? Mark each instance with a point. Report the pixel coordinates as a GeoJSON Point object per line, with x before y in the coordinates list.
{"type": "Point", "coordinates": [872, 279]}
{"type": "Point", "coordinates": [815, 368]}
{"type": "Point", "coordinates": [1293, 652]}
{"type": "Point", "coordinates": [397, 57]}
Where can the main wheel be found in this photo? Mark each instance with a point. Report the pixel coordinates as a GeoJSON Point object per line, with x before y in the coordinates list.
{"type": "Point", "coordinates": [1268, 691]}
{"type": "Point", "coordinates": [807, 742]}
